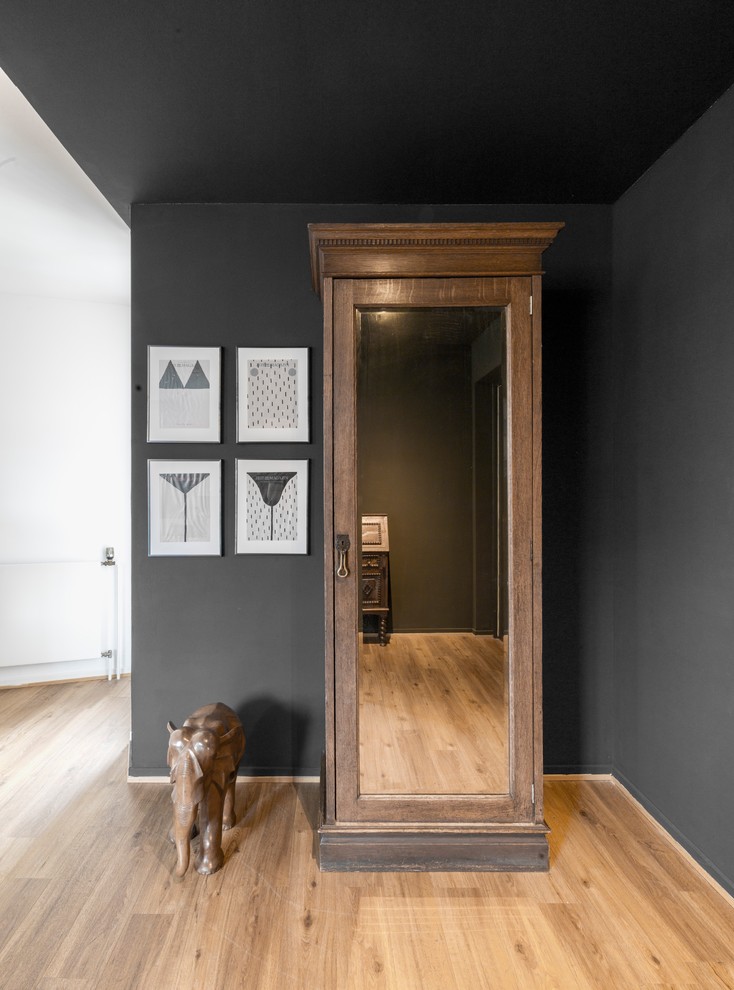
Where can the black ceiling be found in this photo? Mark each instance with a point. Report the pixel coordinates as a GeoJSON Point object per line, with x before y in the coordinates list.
{"type": "Point", "coordinates": [401, 101]}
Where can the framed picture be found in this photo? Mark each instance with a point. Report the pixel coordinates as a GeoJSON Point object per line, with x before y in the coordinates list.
{"type": "Point", "coordinates": [272, 507]}
{"type": "Point", "coordinates": [272, 395]}
{"type": "Point", "coordinates": [374, 533]}
{"type": "Point", "coordinates": [184, 508]}
{"type": "Point", "coordinates": [184, 394]}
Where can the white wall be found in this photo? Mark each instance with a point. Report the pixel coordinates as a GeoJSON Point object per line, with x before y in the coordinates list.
{"type": "Point", "coordinates": [65, 378]}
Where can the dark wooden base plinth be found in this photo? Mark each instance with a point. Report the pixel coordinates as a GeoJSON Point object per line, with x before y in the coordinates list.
{"type": "Point", "coordinates": [522, 849]}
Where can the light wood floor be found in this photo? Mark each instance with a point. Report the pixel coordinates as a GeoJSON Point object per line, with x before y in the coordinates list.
{"type": "Point", "coordinates": [433, 715]}
{"type": "Point", "coordinates": [87, 900]}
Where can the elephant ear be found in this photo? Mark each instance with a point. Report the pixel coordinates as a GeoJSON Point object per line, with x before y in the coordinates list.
{"type": "Point", "coordinates": [229, 735]}
{"type": "Point", "coordinates": [177, 742]}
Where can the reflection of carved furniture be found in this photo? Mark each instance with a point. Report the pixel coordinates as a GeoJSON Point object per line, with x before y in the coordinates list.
{"type": "Point", "coordinates": [376, 572]}
{"type": "Point", "coordinates": [388, 269]}
{"type": "Point", "coordinates": [375, 577]}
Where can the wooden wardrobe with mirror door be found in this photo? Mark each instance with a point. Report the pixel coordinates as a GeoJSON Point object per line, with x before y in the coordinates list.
{"type": "Point", "coordinates": [433, 756]}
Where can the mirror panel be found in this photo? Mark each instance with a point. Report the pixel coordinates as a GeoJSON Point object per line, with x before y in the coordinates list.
{"type": "Point", "coordinates": [433, 683]}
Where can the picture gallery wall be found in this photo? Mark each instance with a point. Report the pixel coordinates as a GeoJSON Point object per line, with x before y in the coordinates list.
{"type": "Point", "coordinates": [246, 626]}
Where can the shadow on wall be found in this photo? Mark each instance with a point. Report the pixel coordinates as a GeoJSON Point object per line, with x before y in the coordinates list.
{"type": "Point", "coordinates": [276, 738]}
{"type": "Point", "coordinates": [576, 490]}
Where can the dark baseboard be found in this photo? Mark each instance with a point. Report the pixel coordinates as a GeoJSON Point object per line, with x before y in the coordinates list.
{"type": "Point", "coordinates": [690, 847]}
{"type": "Point", "coordinates": [568, 768]}
{"type": "Point", "coordinates": [385, 850]}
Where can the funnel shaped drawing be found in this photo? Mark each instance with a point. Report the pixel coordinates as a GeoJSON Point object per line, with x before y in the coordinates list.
{"type": "Point", "coordinates": [185, 483]}
{"type": "Point", "coordinates": [271, 485]}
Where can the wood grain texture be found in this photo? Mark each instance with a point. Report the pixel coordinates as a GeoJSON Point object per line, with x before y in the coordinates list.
{"type": "Point", "coordinates": [384, 850]}
{"type": "Point", "coordinates": [537, 537]}
{"type": "Point", "coordinates": [449, 250]}
{"type": "Point", "coordinates": [434, 715]}
{"type": "Point", "coordinates": [519, 537]}
{"type": "Point", "coordinates": [515, 803]}
{"type": "Point", "coordinates": [328, 782]}
{"type": "Point", "coordinates": [346, 589]}
{"type": "Point", "coordinates": [87, 900]}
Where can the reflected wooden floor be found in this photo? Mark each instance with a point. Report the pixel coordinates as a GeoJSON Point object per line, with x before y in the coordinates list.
{"type": "Point", "coordinates": [87, 900]}
{"type": "Point", "coordinates": [433, 715]}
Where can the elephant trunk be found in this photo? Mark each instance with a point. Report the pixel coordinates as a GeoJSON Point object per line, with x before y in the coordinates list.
{"type": "Point", "coordinates": [186, 778]}
{"type": "Point", "coordinates": [183, 824]}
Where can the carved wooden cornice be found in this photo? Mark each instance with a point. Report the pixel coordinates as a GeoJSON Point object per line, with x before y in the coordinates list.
{"type": "Point", "coordinates": [428, 250]}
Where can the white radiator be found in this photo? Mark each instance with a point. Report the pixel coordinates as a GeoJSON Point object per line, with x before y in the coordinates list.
{"type": "Point", "coordinates": [56, 612]}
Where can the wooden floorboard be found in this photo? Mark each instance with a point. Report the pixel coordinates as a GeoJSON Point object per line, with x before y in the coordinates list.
{"type": "Point", "coordinates": [88, 901]}
{"type": "Point", "coordinates": [433, 715]}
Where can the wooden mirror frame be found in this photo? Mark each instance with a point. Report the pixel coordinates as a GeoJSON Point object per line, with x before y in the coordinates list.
{"type": "Point", "coordinates": [442, 834]}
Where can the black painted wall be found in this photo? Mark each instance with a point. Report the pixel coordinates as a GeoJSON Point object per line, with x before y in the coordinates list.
{"type": "Point", "coordinates": [414, 428]}
{"type": "Point", "coordinates": [249, 630]}
{"type": "Point", "coordinates": [674, 498]}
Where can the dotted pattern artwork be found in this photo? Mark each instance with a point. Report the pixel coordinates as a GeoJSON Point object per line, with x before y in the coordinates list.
{"type": "Point", "coordinates": [272, 395]}
{"type": "Point", "coordinates": [272, 506]}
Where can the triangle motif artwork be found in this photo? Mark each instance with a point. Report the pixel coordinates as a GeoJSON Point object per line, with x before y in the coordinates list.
{"type": "Point", "coordinates": [170, 378]}
{"type": "Point", "coordinates": [197, 378]}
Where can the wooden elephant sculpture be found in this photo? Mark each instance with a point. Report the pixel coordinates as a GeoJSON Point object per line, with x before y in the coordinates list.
{"type": "Point", "coordinates": [204, 755]}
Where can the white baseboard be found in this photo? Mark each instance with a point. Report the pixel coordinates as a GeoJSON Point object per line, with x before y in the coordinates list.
{"type": "Point", "coordinates": [243, 779]}
{"type": "Point", "coordinates": [28, 675]}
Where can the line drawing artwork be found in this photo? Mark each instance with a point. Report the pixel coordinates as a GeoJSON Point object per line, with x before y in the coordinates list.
{"type": "Point", "coordinates": [184, 394]}
{"type": "Point", "coordinates": [185, 507]}
{"type": "Point", "coordinates": [272, 394]}
{"type": "Point", "coordinates": [272, 505]}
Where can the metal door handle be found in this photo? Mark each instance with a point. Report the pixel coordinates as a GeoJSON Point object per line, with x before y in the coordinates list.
{"type": "Point", "coordinates": [342, 544]}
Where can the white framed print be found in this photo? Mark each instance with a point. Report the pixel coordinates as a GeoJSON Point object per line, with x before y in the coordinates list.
{"type": "Point", "coordinates": [272, 395]}
{"type": "Point", "coordinates": [272, 506]}
{"type": "Point", "coordinates": [184, 508]}
{"type": "Point", "coordinates": [184, 394]}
